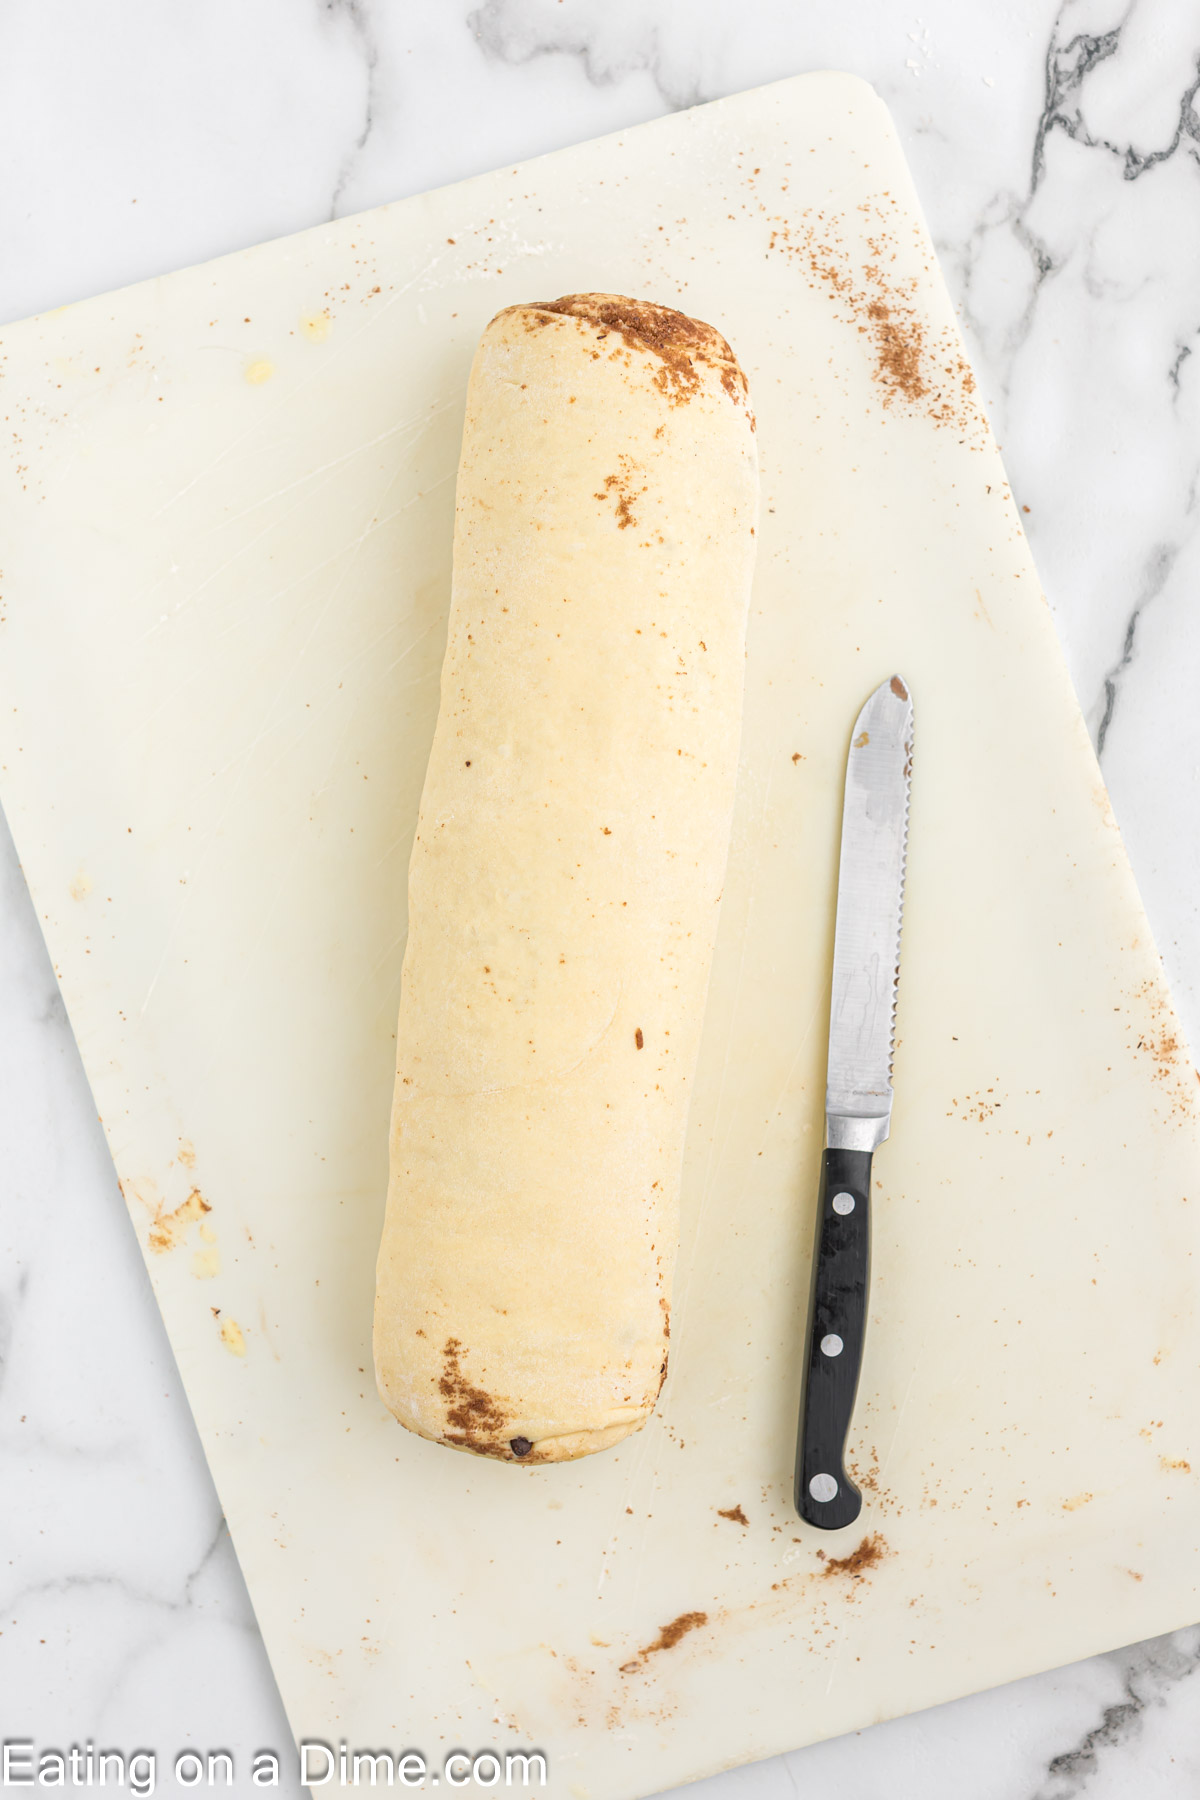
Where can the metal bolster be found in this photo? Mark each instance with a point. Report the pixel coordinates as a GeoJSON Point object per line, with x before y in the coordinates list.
{"type": "Point", "coordinates": [856, 1131]}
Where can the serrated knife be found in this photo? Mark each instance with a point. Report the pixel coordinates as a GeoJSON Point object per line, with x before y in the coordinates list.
{"type": "Point", "coordinates": [858, 1093]}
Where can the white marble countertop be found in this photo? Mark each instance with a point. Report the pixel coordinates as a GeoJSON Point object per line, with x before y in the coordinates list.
{"type": "Point", "coordinates": [1056, 148]}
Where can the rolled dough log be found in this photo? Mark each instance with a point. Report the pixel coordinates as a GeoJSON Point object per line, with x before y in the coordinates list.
{"type": "Point", "coordinates": [563, 889]}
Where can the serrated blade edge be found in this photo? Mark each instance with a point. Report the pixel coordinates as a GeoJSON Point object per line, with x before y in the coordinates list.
{"type": "Point", "coordinates": [870, 905]}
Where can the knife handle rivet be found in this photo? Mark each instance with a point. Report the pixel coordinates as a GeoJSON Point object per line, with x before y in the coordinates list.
{"type": "Point", "coordinates": [831, 1345]}
{"type": "Point", "coordinates": [823, 1488]}
{"type": "Point", "coordinates": [843, 1203]}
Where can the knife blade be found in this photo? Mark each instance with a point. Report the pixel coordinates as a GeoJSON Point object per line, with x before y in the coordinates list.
{"type": "Point", "coordinates": [858, 1093]}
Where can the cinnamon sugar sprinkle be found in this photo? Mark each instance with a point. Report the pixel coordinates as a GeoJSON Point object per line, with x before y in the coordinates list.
{"type": "Point", "coordinates": [684, 346]}
{"type": "Point", "coordinates": [668, 1637]}
{"type": "Point", "coordinates": [474, 1421]}
{"type": "Point", "coordinates": [870, 1552]}
{"type": "Point", "coordinates": [918, 368]}
{"type": "Point", "coordinates": [624, 488]}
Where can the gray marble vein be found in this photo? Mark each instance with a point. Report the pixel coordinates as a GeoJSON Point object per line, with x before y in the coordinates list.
{"type": "Point", "coordinates": [357, 16]}
{"type": "Point", "coordinates": [610, 45]}
{"type": "Point", "coordinates": [1161, 561]}
{"type": "Point", "coordinates": [1153, 1675]}
{"type": "Point", "coordinates": [1067, 68]}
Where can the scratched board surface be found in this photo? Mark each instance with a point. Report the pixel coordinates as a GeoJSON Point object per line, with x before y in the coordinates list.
{"type": "Point", "coordinates": [228, 512]}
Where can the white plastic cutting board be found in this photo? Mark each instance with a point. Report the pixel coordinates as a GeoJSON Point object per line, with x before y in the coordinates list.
{"type": "Point", "coordinates": [226, 520]}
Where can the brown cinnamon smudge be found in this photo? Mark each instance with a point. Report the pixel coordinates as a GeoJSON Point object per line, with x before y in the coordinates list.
{"type": "Point", "coordinates": [668, 1637]}
{"type": "Point", "coordinates": [683, 345]}
{"type": "Point", "coordinates": [871, 1551]}
{"type": "Point", "coordinates": [476, 1420]}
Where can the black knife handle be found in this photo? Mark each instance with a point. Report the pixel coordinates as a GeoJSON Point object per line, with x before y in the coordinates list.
{"type": "Point", "coordinates": [837, 1316]}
